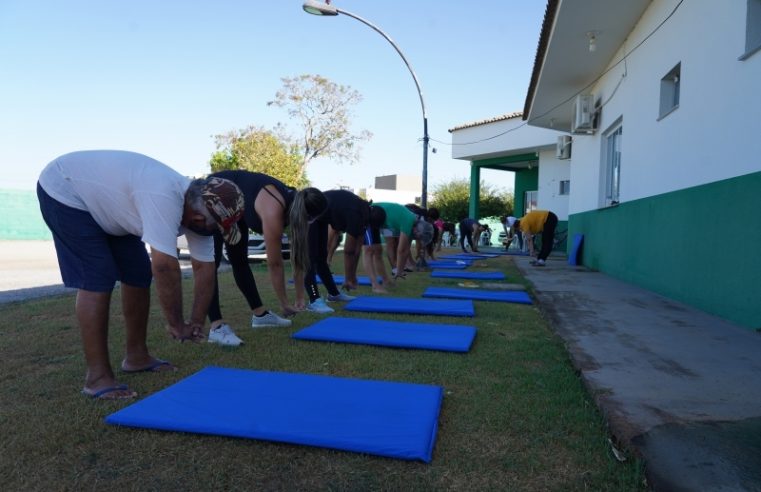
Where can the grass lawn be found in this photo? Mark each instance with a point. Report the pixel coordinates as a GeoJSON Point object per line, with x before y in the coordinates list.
{"type": "Point", "coordinates": [514, 416]}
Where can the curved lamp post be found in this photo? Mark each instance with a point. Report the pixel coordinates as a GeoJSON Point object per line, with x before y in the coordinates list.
{"type": "Point", "coordinates": [319, 8]}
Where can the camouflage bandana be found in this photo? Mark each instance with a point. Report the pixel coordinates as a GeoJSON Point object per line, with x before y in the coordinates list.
{"type": "Point", "coordinates": [224, 201]}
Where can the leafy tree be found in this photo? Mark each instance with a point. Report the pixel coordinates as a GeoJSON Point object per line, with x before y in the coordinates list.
{"type": "Point", "coordinates": [258, 150]}
{"type": "Point", "coordinates": [452, 200]}
{"type": "Point", "coordinates": [323, 109]}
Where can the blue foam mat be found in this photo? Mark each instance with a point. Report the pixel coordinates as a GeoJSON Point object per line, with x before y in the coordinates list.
{"type": "Point", "coordinates": [468, 256]}
{"type": "Point", "coordinates": [574, 258]}
{"type": "Point", "coordinates": [406, 305]}
{"type": "Point", "coordinates": [429, 336]}
{"type": "Point", "coordinates": [470, 275]}
{"type": "Point", "coordinates": [515, 296]}
{"type": "Point", "coordinates": [397, 420]}
{"type": "Point", "coordinates": [448, 264]}
{"type": "Point", "coordinates": [339, 280]}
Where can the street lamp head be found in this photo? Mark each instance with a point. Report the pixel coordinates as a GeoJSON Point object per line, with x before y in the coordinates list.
{"type": "Point", "coordinates": [318, 8]}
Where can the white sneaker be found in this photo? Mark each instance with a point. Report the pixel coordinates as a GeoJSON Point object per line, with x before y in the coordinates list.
{"type": "Point", "coordinates": [319, 306]}
{"type": "Point", "coordinates": [341, 298]}
{"type": "Point", "coordinates": [269, 319]}
{"type": "Point", "coordinates": [224, 335]}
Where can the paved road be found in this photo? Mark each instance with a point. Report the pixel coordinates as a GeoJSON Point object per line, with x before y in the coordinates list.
{"type": "Point", "coordinates": [29, 269]}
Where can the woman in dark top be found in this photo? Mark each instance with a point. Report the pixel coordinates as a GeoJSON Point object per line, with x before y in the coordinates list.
{"type": "Point", "coordinates": [270, 206]}
{"type": "Point", "coordinates": [357, 218]}
{"type": "Point", "coordinates": [470, 231]}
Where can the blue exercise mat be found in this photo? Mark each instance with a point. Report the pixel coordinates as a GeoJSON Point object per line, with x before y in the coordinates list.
{"type": "Point", "coordinates": [574, 258]}
{"type": "Point", "coordinates": [429, 336]}
{"type": "Point", "coordinates": [468, 256]}
{"type": "Point", "coordinates": [397, 420]}
{"type": "Point", "coordinates": [361, 280]}
{"type": "Point", "coordinates": [339, 280]}
{"type": "Point", "coordinates": [406, 305]}
{"type": "Point", "coordinates": [516, 296]}
{"type": "Point", "coordinates": [449, 264]}
{"type": "Point", "coordinates": [470, 275]}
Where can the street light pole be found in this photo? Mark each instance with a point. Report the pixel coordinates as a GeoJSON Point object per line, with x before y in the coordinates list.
{"type": "Point", "coordinates": [319, 8]}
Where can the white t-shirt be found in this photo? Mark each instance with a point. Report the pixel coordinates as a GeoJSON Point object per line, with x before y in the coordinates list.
{"type": "Point", "coordinates": [126, 193]}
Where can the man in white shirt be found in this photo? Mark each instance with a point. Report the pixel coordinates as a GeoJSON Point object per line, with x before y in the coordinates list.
{"type": "Point", "coordinates": [102, 206]}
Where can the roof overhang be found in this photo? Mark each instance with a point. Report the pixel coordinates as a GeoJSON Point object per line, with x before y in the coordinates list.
{"type": "Point", "coordinates": [564, 65]}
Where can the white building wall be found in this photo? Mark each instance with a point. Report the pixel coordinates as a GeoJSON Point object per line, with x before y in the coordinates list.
{"type": "Point", "coordinates": [713, 135]}
{"type": "Point", "coordinates": [402, 197]}
{"type": "Point", "coordinates": [515, 137]}
{"type": "Point", "coordinates": [551, 171]}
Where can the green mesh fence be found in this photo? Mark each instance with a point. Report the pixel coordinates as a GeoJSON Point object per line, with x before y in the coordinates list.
{"type": "Point", "coordinates": [20, 216]}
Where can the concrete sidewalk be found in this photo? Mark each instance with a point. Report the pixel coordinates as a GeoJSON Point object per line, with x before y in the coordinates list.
{"type": "Point", "coordinates": [678, 387]}
{"type": "Point", "coordinates": [29, 270]}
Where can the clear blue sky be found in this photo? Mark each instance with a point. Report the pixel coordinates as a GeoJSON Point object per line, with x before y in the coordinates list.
{"type": "Point", "coordinates": [162, 77]}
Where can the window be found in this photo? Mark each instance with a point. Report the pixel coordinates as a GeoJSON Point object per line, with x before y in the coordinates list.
{"type": "Point", "coordinates": [565, 187]}
{"type": "Point", "coordinates": [670, 90]}
{"type": "Point", "coordinates": [613, 164]}
{"type": "Point", "coordinates": [530, 199]}
{"type": "Point", "coordinates": [752, 28]}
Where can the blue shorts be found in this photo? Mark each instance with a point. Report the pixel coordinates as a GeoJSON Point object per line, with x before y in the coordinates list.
{"type": "Point", "coordinates": [88, 257]}
{"type": "Point", "coordinates": [371, 236]}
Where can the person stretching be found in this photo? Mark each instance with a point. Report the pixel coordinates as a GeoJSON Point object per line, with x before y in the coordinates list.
{"type": "Point", "coordinates": [270, 206]}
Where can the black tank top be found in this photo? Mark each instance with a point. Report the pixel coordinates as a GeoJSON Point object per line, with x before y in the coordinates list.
{"type": "Point", "coordinates": [346, 211]}
{"type": "Point", "coordinates": [253, 183]}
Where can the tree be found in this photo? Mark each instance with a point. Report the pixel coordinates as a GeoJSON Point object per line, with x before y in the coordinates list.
{"type": "Point", "coordinates": [323, 109]}
{"type": "Point", "coordinates": [452, 200]}
{"type": "Point", "coordinates": [258, 150]}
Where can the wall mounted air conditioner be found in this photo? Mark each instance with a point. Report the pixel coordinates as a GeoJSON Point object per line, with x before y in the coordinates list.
{"type": "Point", "coordinates": [563, 148]}
{"type": "Point", "coordinates": [584, 114]}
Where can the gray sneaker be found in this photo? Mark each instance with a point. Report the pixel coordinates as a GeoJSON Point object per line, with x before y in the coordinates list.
{"type": "Point", "coordinates": [269, 319]}
{"type": "Point", "coordinates": [319, 306]}
{"type": "Point", "coordinates": [342, 297]}
{"type": "Point", "coordinates": [224, 335]}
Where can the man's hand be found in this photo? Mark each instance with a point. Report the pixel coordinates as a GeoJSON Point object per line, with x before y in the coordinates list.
{"type": "Point", "coordinates": [186, 331]}
{"type": "Point", "coordinates": [290, 311]}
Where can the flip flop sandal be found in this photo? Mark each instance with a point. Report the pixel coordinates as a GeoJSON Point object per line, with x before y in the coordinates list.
{"type": "Point", "coordinates": [157, 366]}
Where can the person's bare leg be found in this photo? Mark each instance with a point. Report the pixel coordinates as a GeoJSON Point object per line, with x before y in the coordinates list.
{"type": "Point", "coordinates": [135, 307]}
{"type": "Point", "coordinates": [374, 255]}
{"type": "Point", "coordinates": [352, 252]}
{"type": "Point", "coordinates": [380, 266]}
{"type": "Point", "coordinates": [92, 310]}
{"type": "Point", "coordinates": [392, 244]}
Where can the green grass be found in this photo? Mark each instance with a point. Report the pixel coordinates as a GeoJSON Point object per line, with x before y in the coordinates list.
{"type": "Point", "coordinates": [514, 417]}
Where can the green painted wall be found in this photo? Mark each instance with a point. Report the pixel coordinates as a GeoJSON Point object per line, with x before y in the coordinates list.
{"type": "Point", "coordinates": [20, 216]}
{"type": "Point", "coordinates": [699, 245]}
{"type": "Point", "coordinates": [525, 180]}
{"type": "Point", "coordinates": [475, 186]}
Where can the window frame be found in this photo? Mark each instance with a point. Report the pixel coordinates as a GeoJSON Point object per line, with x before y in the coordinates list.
{"type": "Point", "coordinates": [752, 29]}
{"type": "Point", "coordinates": [671, 84]}
{"type": "Point", "coordinates": [612, 153]}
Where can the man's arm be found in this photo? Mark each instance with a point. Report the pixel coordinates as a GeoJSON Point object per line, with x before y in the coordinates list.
{"type": "Point", "coordinates": [166, 273]}
{"type": "Point", "coordinates": [204, 277]}
{"type": "Point", "coordinates": [402, 252]}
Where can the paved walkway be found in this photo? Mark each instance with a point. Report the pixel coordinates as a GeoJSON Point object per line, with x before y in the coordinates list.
{"type": "Point", "coordinates": [29, 269]}
{"type": "Point", "coordinates": [677, 386]}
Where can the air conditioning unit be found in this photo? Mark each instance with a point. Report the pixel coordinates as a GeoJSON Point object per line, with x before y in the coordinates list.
{"type": "Point", "coordinates": [584, 114]}
{"type": "Point", "coordinates": [563, 148]}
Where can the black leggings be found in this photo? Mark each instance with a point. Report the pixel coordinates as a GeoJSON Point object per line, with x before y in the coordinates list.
{"type": "Point", "coordinates": [466, 234]}
{"type": "Point", "coordinates": [318, 262]}
{"type": "Point", "coordinates": [548, 236]}
{"type": "Point", "coordinates": [244, 277]}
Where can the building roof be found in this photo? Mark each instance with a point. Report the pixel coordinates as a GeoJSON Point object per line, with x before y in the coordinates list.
{"type": "Point", "coordinates": [506, 116]}
{"type": "Point", "coordinates": [541, 50]}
